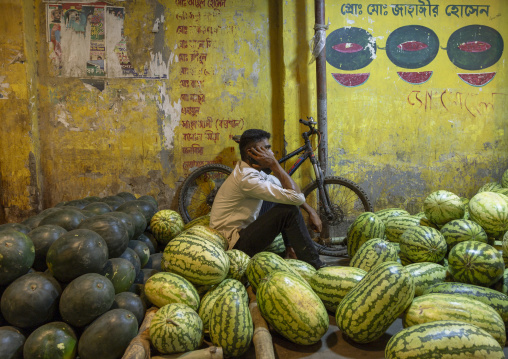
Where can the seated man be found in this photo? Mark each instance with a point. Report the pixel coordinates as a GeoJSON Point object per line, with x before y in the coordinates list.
{"type": "Point", "coordinates": [236, 208]}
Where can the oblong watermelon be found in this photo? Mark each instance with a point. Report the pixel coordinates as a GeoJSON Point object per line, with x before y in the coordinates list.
{"type": "Point", "coordinates": [263, 263]}
{"type": "Point", "coordinates": [423, 244]}
{"type": "Point", "coordinates": [111, 229]}
{"type": "Point", "coordinates": [366, 226]}
{"type": "Point", "coordinates": [461, 230]}
{"type": "Point", "coordinates": [425, 275]}
{"type": "Point", "coordinates": [442, 206]}
{"type": "Point", "coordinates": [56, 340]}
{"type": "Point", "coordinates": [490, 210]}
{"type": "Point", "coordinates": [372, 252]}
{"type": "Point", "coordinates": [397, 225]}
{"type": "Point", "coordinates": [238, 262]}
{"type": "Point", "coordinates": [165, 288]}
{"type": "Point", "coordinates": [17, 254]}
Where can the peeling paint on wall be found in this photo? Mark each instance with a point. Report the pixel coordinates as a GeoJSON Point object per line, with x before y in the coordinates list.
{"type": "Point", "coordinates": [172, 112]}
{"type": "Point", "coordinates": [3, 88]}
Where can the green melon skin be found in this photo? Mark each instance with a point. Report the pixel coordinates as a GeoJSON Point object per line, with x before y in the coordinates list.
{"type": "Point", "coordinates": [461, 230]}
{"type": "Point", "coordinates": [441, 207]}
{"type": "Point", "coordinates": [331, 284]}
{"type": "Point", "coordinates": [490, 210]}
{"type": "Point", "coordinates": [12, 342]}
{"type": "Point", "coordinates": [425, 275]}
{"type": "Point", "coordinates": [476, 263]}
{"type": "Point", "coordinates": [231, 326]}
{"type": "Point", "coordinates": [490, 187]}
{"type": "Point", "coordinates": [238, 262]}
{"type": "Point", "coordinates": [199, 261]}
{"type": "Point", "coordinates": [120, 272]}
{"type": "Point", "coordinates": [176, 328]}
{"type": "Point", "coordinates": [504, 179]}
{"type": "Point", "coordinates": [164, 288]}
{"type": "Point", "coordinates": [372, 305]}
{"type": "Point", "coordinates": [395, 226]}
{"type": "Point", "coordinates": [17, 254]}
{"type": "Point", "coordinates": [433, 307]}
{"type": "Point", "coordinates": [366, 226]}
{"type": "Point", "coordinates": [443, 339]}
{"type": "Point", "coordinates": [423, 244]}
{"type": "Point", "coordinates": [385, 214]}
{"type": "Point", "coordinates": [166, 225]}
{"type": "Point", "coordinates": [203, 220]}
{"type": "Point", "coordinates": [108, 336]}
{"type": "Point", "coordinates": [211, 296]}
{"type": "Point", "coordinates": [208, 234]}
{"type": "Point", "coordinates": [303, 268]}
{"type": "Point", "coordinates": [55, 340]}
{"type": "Point", "coordinates": [292, 308]}
{"type": "Point", "coordinates": [263, 263]}
{"type": "Point", "coordinates": [373, 252]}
{"type": "Point", "coordinates": [277, 246]}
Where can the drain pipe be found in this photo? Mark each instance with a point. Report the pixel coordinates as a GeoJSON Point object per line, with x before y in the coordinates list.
{"type": "Point", "coordinates": [320, 25]}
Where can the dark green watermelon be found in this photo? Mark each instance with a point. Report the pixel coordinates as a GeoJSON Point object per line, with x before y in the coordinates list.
{"type": "Point", "coordinates": [127, 196]}
{"type": "Point", "coordinates": [111, 229]}
{"type": "Point", "coordinates": [126, 220]}
{"type": "Point", "coordinates": [76, 253]}
{"type": "Point", "coordinates": [113, 201]}
{"type": "Point", "coordinates": [87, 213]}
{"type": "Point", "coordinates": [141, 250]}
{"type": "Point", "coordinates": [156, 261]}
{"type": "Point", "coordinates": [108, 336]}
{"type": "Point", "coordinates": [98, 207]}
{"type": "Point", "coordinates": [31, 300]}
{"type": "Point", "coordinates": [80, 203]}
{"type": "Point", "coordinates": [16, 226]}
{"type": "Point", "coordinates": [146, 240]}
{"type": "Point", "coordinates": [92, 199]}
{"type": "Point", "coordinates": [86, 298]}
{"type": "Point", "coordinates": [149, 199]}
{"type": "Point", "coordinates": [144, 274]}
{"type": "Point", "coordinates": [138, 219]}
{"type": "Point", "coordinates": [131, 302]}
{"type": "Point", "coordinates": [145, 207]}
{"type": "Point", "coordinates": [42, 238]}
{"type": "Point", "coordinates": [11, 343]}
{"type": "Point", "coordinates": [66, 218]}
{"type": "Point", "coordinates": [17, 254]}
{"type": "Point", "coordinates": [55, 340]}
{"type": "Point", "coordinates": [33, 221]}
{"type": "Point", "coordinates": [132, 257]}
{"type": "Point", "coordinates": [120, 272]}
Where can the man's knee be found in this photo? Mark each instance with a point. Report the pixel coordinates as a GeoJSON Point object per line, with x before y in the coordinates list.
{"type": "Point", "coordinates": [288, 208]}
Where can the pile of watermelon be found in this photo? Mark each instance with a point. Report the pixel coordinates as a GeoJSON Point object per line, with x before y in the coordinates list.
{"type": "Point", "coordinates": [72, 277]}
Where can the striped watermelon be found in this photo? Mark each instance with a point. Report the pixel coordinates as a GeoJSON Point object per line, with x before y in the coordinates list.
{"type": "Point", "coordinates": [372, 252]}
{"type": "Point", "coordinates": [200, 262]}
{"type": "Point", "coordinates": [404, 260]}
{"type": "Point", "coordinates": [434, 307]}
{"type": "Point", "coordinates": [423, 244]}
{"type": "Point", "coordinates": [238, 262]}
{"type": "Point", "coordinates": [387, 213]}
{"type": "Point", "coordinates": [443, 339]}
{"type": "Point", "coordinates": [373, 304]}
{"type": "Point", "coordinates": [166, 225]}
{"type": "Point", "coordinates": [331, 284]}
{"type": "Point", "coordinates": [475, 263]}
{"type": "Point", "coordinates": [395, 226]}
{"type": "Point", "coordinates": [292, 308]}
{"type": "Point", "coordinates": [425, 275]}
{"type": "Point", "coordinates": [303, 268]}
{"type": "Point", "coordinates": [505, 244]}
{"type": "Point", "coordinates": [504, 179]}
{"type": "Point", "coordinates": [231, 326]}
{"type": "Point", "coordinates": [164, 288]}
{"type": "Point", "coordinates": [366, 226]}
{"type": "Point", "coordinates": [277, 246]}
{"type": "Point", "coordinates": [263, 263]}
{"type": "Point", "coordinates": [490, 187]}
{"type": "Point", "coordinates": [424, 221]}
{"type": "Point", "coordinates": [502, 284]}
{"type": "Point", "coordinates": [209, 299]}
{"type": "Point", "coordinates": [176, 328]}
{"type": "Point", "coordinates": [490, 210]}
{"type": "Point", "coordinates": [442, 207]}
{"type": "Point", "coordinates": [203, 220]}
{"type": "Point", "coordinates": [498, 301]}
{"type": "Point", "coordinates": [208, 234]}
{"type": "Point", "coordinates": [503, 191]}
{"type": "Point", "coordinates": [461, 230]}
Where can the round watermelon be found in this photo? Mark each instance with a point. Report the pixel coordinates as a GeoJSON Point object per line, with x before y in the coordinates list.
{"type": "Point", "coordinates": [476, 263]}
{"type": "Point", "coordinates": [146, 207]}
{"type": "Point", "coordinates": [176, 328]}
{"type": "Point", "coordinates": [423, 244]}
{"type": "Point", "coordinates": [441, 207]}
{"type": "Point", "coordinates": [141, 250]}
{"type": "Point", "coordinates": [42, 238]}
{"type": "Point", "coordinates": [66, 218]}
{"type": "Point", "coordinates": [111, 229]}
{"type": "Point", "coordinates": [238, 262]}
{"type": "Point", "coordinates": [55, 340]}
{"type": "Point", "coordinates": [166, 225]}
{"type": "Point", "coordinates": [385, 214]}
{"type": "Point", "coordinates": [98, 208]}
{"type": "Point", "coordinates": [372, 252]}
{"type": "Point", "coordinates": [17, 254]}
{"type": "Point", "coordinates": [490, 210]}
{"type": "Point", "coordinates": [11, 343]}
{"type": "Point", "coordinates": [366, 226]}
{"type": "Point", "coordinates": [490, 187]}
{"type": "Point", "coordinates": [131, 302]}
{"type": "Point", "coordinates": [461, 230]}
{"type": "Point", "coordinates": [16, 226]}
{"type": "Point", "coordinates": [120, 272]}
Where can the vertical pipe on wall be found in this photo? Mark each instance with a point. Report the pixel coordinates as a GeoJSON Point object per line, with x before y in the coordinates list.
{"type": "Point", "coordinates": [321, 89]}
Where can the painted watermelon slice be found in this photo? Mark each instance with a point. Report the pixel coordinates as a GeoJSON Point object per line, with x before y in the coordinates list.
{"type": "Point", "coordinates": [351, 80]}
{"type": "Point", "coordinates": [477, 79]}
{"type": "Point", "coordinates": [415, 78]}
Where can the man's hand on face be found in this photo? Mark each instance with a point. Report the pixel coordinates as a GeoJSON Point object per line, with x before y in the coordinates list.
{"type": "Point", "coordinates": [263, 155]}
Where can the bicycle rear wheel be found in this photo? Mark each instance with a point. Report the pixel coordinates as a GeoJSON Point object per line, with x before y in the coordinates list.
{"type": "Point", "coordinates": [347, 200]}
{"type": "Point", "coordinates": [199, 189]}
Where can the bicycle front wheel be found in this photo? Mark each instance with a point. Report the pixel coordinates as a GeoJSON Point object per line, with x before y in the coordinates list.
{"type": "Point", "coordinates": [199, 189]}
{"type": "Point", "coordinates": [347, 199]}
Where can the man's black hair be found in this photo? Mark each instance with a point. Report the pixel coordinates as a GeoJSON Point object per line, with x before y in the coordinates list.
{"type": "Point", "coordinates": [249, 138]}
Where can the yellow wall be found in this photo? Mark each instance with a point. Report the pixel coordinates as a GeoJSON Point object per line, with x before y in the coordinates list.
{"type": "Point", "coordinates": [63, 139]}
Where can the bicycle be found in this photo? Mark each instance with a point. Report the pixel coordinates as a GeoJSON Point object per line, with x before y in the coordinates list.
{"type": "Point", "coordinates": [338, 201]}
